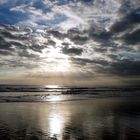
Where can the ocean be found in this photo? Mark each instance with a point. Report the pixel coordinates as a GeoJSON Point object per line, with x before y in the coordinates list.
{"type": "Point", "coordinates": [69, 113]}
{"type": "Point", "coordinates": [34, 93]}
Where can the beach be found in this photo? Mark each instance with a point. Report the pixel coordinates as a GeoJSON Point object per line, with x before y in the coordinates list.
{"type": "Point", "coordinates": [110, 118]}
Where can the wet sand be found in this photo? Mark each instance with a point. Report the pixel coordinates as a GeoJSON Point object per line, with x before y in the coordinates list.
{"type": "Point", "coordinates": [96, 119]}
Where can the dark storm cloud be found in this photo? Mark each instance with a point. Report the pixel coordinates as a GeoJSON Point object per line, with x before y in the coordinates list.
{"type": "Point", "coordinates": [81, 37]}
{"type": "Point", "coordinates": [128, 21]}
{"type": "Point", "coordinates": [72, 51]}
{"type": "Point", "coordinates": [100, 49]}
{"type": "Point", "coordinates": [128, 26]}
{"type": "Point", "coordinates": [125, 67]}
{"type": "Point", "coordinates": [120, 26]}
{"type": "Point", "coordinates": [90, 62]}
{"type": "Point", "coordinates": [13, 39]}
{"type": "Point", "coordinates": [125, 25]}
{"type": "Point", "coordinates": [37, 48]}
{"type": "Point", "coordinates": [56, 34]}
{"type": "Point", "coordinates": [51, 42]}
{"type": "Point", "coordinates": [99, 35]}
{"type": "Point", "coordinates": [66, 44]}
{"type": "Point", "coordinates": [79, 40]}
{"type": "Point", "coordinates": [75, 35]}
{"type": "Point", "coordinates": [17, 44]}
{"type": "Point", "coordinates": [113, 56]}
{"type": "Point", "coordinates": [132, 38]}
{"type": "Point", "coordinates": [12, 32]}
{"type": "Point", "coordinates": [4, 45]}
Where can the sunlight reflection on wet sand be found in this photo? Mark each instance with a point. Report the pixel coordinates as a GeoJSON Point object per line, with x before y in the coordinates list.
{"type": "Point", "coordinates": [54, 98]}
{"type": "Point", "coordinates": [55, 124]}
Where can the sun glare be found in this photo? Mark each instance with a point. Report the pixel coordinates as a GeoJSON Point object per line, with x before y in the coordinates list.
{"type": "Point", "coordinates": [55, 60]}
{"type": "Point", "coordinates": [52, 86]}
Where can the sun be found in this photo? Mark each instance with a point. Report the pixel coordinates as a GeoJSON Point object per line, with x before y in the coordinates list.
{"type": "Point", "coordinates": [55, 60]}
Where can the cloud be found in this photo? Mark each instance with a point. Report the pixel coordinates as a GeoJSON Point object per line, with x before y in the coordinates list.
{"type": "Point", "coordinates": [17, 44]}
{"type": "Point", "coordinates": [5, 52]}
{"type": "Point", "coordinates": [93, 37]}
{"type": "Point", "coordinates": [72, 51]}
{"type": "Point", "coordinates": [4, 45]}
{"type": "Point", "coordinates": [100, 35]}
{"type": "Point", "coordinates": [132, 38]}
{"type": "Point", "coordinates": [86, 61]}
{"type": "Point", "coordinates": [21, 8]}
{"type": "Point", "coordinates": [46, 13]}
{"type": "Point", "coordinates": [77, 36]}
{"type": "Point", "coordinates": [125, 67]}
{"type": "Point", "coordinates": [127, 22]}
{"type": "Point", "coordinates": [57, 34]}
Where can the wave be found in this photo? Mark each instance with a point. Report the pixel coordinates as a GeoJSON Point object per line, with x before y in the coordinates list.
{"type": "Point", "coordinates": [64, 89]}
{"type": "Point", "coordinates": [22, 93]}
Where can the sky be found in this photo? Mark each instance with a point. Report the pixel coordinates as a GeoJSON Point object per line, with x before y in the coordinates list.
{"type": "Point", "coordinates": [70, 42]}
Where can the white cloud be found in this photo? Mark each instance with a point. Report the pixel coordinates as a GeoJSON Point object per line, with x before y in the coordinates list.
{"type": "Point", "coordinates": [82, 15]}
{"type": "Point", "coordinates": [3, 1]}
{"type": "Point", "coordinates": [21, 8]}
{"type": "Point", "coordinates": [79, 14]}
